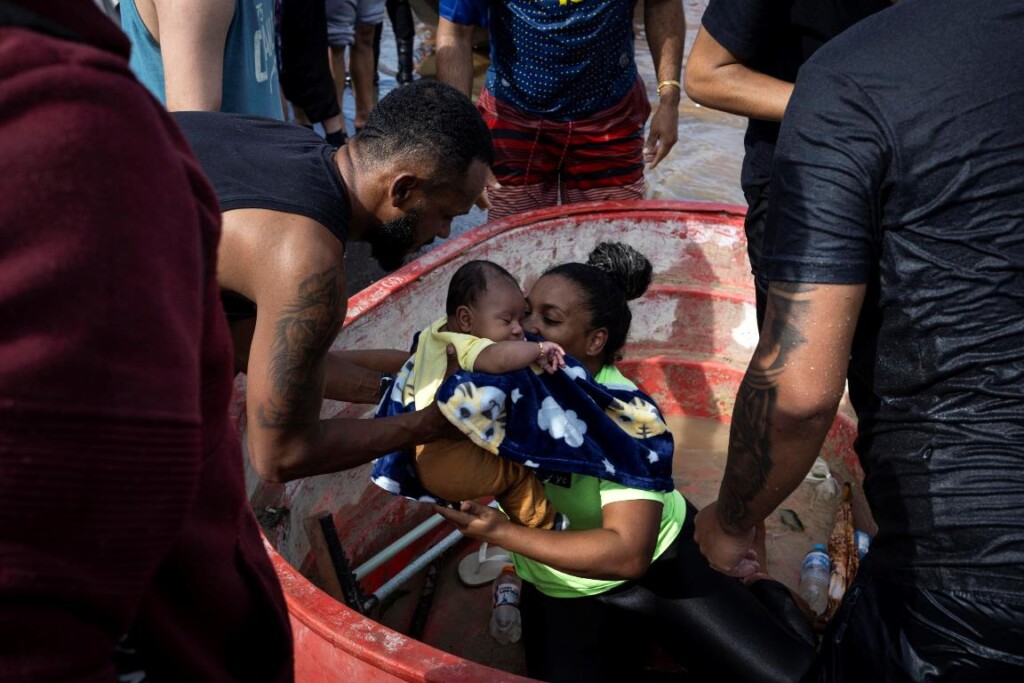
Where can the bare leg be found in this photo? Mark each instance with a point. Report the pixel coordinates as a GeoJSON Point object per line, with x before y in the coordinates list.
{"type": "Point", "coordinates": [338, 71]}
{"type": "Point", "coordinates": [300, 116]}
{"type": "Point", "coordinates": [362, 73]}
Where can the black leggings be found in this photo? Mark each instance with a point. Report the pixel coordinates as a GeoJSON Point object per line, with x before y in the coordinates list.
{"type": "Point", "coordinates": [718, 629]}
{"type": "Point", "coordinates": [400, 14]}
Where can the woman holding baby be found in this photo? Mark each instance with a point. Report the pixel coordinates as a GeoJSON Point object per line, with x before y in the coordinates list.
{"type": "Point", "coordinates": [628, 571]}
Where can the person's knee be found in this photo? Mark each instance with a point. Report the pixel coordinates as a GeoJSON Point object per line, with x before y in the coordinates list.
{"type": "Point", "coordinates": [340, 37]}
{"type": "Point", "coordinates": [364, 35]}
{"type": "Point", "coordinates": [369, 14]}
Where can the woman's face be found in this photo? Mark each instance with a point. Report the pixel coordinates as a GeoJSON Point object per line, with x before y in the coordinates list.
{"type": "Point", "coordinates": [554, 311]}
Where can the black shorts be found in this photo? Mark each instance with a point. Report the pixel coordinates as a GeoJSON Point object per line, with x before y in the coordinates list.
{"type": "Point", "coordinates": [754, 226]}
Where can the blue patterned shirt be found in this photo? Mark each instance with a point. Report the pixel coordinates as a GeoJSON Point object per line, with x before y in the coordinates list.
{"type": "Point", "coordinates": [557, 59]}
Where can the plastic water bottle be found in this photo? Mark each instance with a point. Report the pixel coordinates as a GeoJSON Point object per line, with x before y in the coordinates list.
{"type": "Point", "coordinates": [814, 577]}
{"type": "Point", "coordinates": [863, 540]}
{"type": "Point", "coordinates": [506, 622]}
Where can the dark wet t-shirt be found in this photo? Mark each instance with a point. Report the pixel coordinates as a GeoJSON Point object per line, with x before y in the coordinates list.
{"type": "Point", "coordinates": [901, 165]}
{"type": "Point", "coordinates": [775, 37]}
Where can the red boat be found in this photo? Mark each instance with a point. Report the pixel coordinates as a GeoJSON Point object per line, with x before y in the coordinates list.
{"type": "Point", "coordinates": [692, 335]}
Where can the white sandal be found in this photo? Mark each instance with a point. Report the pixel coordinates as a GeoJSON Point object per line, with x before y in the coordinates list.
{"type": "Point", "coordinates": [483, 566]}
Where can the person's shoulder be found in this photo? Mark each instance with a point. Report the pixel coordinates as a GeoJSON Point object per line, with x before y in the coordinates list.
{"type": "Point", "coordinates": [243, 136]}
{"type": "Point", "coordinates": [228, 121]}
{"type": "Point", "coordinates": [612, 378]}
{"type": "Point", "coordinates": [289, 245]}
{"type": "Point", "coordinates": [612, 492]}
{"type": "Point", "coordinates": [106, 113]}
{"type": "Point", "coordinates": [742, 26]}
{"type": "Point", "coordinates": [868, 45]}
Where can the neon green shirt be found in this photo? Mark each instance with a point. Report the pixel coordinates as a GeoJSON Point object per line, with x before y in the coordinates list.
{"type": "Point", "coordinates": [581, 502]}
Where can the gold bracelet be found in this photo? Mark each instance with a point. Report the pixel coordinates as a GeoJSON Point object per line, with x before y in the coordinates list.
{"type": "Point", "coordinates": [664, 83]}
{"type": "Point", "coordinates": [541, 345]}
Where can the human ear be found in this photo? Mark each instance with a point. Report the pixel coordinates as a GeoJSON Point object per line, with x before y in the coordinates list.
{"type": "Point", "coordinates": [463, 319]}
{"type": "Point", "coordinates": [401, 188]}
{"type": "Point", "coordinates": [596, 339]}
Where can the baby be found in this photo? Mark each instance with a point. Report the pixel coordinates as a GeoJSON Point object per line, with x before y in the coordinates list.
{"type": "Point", "coordinates": [485, 309]}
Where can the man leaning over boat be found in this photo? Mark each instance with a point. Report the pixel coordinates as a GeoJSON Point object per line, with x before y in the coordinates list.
{"type": "Point", "coordinates": [290, 203]}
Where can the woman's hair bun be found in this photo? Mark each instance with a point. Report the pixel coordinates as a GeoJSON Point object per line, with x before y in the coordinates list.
{"type": "Point", "coordinates": [625, 265]}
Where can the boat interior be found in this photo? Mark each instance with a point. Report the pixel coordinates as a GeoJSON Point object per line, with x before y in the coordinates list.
{"type": "Point", "coordinates": [373, 575]}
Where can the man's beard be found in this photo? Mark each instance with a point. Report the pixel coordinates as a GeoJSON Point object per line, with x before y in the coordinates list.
{"type": "Point", "coordinates": [393, 240]}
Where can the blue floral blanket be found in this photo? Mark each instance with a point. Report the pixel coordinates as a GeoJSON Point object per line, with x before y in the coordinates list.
{"type": "Point", "coordinates": [564, 422]}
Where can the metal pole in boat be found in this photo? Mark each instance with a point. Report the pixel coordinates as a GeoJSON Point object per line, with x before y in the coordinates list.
{"type": "Point", "coordinates": [412, 569]}
{"type": "Point", "coordinates": [415, 566]}
{"type": "Point", "coordinates": [402, 543]}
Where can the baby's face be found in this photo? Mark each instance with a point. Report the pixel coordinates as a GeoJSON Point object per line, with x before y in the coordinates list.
{"type": "Point", "coordinates": [498, 314]}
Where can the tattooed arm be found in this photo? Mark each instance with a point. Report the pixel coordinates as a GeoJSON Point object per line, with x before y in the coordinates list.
{"type": "Point", "coordinates": [355, 375]}
{"type": "Point", "coordinates": [784, 408]}
{"type": "Point", "coordinates": [298, 318]}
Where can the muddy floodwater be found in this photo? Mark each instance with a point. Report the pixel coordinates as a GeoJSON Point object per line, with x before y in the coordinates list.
{"type": "Point", "coordinates": [803, 519]}
{"type": "Point", "coordinates": [705, 164]}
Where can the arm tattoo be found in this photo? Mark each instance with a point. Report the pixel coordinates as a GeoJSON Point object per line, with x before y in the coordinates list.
{"type": "Point", "coordinates": [750, 439]}
{"type": "Point", "coordinates": [303, 335]}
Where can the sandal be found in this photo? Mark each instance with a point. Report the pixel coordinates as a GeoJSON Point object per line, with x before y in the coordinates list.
{"type": "Point", "coordinates": [483, 566]}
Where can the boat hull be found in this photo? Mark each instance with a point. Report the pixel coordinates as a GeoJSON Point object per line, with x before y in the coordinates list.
{"type": "Point", "coordinates": [692, 336]}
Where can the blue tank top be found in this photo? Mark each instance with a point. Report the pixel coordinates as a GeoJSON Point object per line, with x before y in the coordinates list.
{"type": "Point", "coordinates": [558, 59]}
{"type": "Point", "coordinates": [250, 64]}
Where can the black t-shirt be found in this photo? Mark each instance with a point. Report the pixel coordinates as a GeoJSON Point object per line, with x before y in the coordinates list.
{"type": "Point", "coordinates": [775, 37]}
{"type": "Point", "coordinates": [900, 164]}
{"type": "Point", "coordinates": [258, 163]}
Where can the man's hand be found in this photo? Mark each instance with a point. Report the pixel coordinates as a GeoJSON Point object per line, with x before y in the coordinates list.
{"type": "Point", "coordinates": [453, 361]}
{"type": "Point", "coordinates": [731, 554]}
{"type": "Point", "coordinates": [665, 26]}
{"type": "Point", "coordinates": [490, 183]}
{"type": "Point", "coordinates": [664, 133]}
{"type": "Point", "coordinates": [438, 426]}
{"type": "Point", "coordinates": [475, 520]}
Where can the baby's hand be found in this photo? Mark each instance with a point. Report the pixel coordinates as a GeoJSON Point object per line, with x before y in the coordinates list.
{"type": "Point", "coordinates": [552, 356]}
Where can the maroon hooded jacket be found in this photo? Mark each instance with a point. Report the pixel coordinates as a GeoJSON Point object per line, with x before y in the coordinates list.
{"type": "Point", "coordinates": [122, 501]}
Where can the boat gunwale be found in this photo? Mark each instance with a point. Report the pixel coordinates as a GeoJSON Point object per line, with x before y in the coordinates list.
{"type": "Point", "coordinates": [373, 296]}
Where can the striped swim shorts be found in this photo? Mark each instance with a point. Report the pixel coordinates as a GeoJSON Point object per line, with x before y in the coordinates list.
{"type": "Point", "coordinates": [539, 161]}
